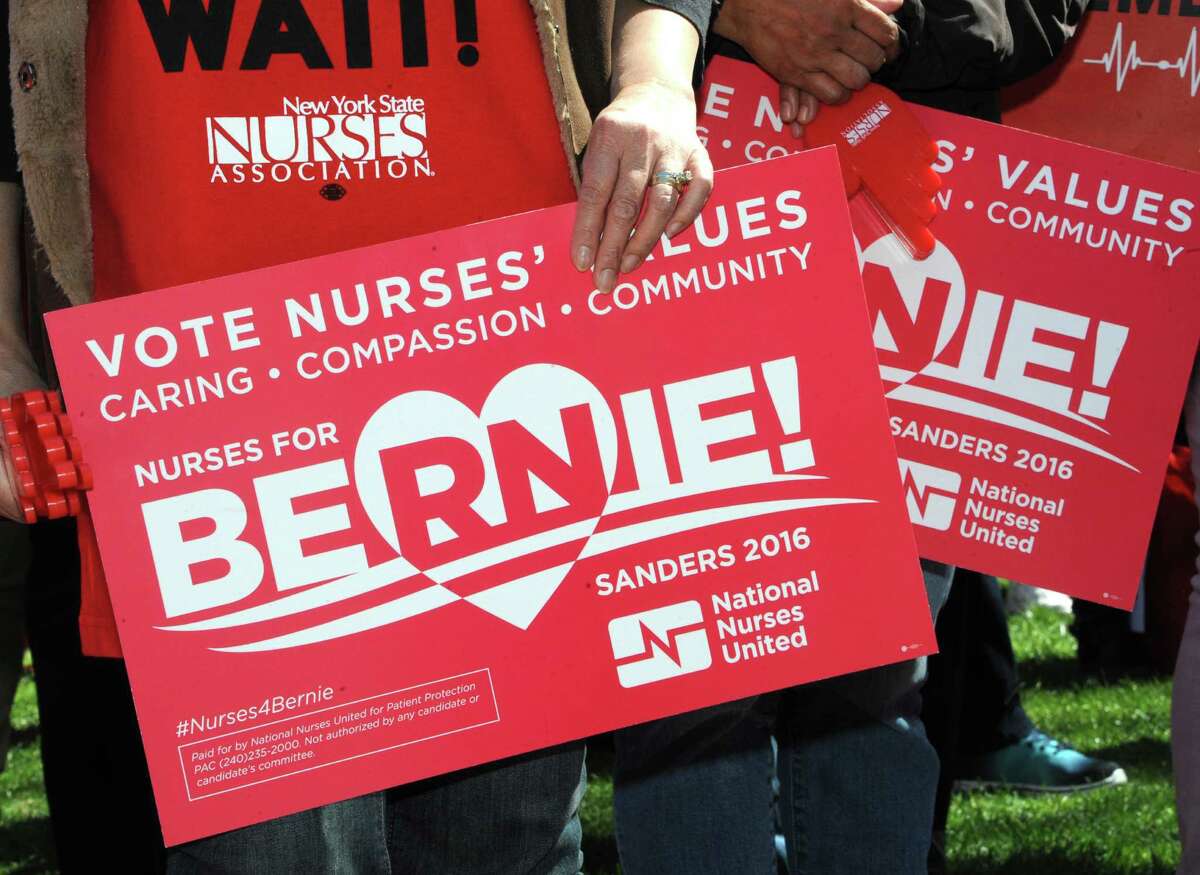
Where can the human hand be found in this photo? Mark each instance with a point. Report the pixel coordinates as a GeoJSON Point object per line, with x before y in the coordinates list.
{"type": "Point", "coordinates": [649, 127]}
{"type": "Point", "coordinates": [826, 48]}
{"type": "Point", "coordinates": [10, 506]}
{"type": "Point", "coordinates": [16, 375]}
{"type": "Point", "coordinates": [798, 107]}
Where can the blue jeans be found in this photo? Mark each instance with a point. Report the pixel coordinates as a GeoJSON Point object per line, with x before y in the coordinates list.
{"type": "Point", "coordinates": [693, 794]}
{"type": "Point", "coordinates": [516, 816]}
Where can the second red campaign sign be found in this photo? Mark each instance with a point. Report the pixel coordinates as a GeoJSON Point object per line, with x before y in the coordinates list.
{"type": "Point", "coordinates": [389, 513]}
{"type": "Point", "coordinates": [1129, 81]}
{"type": "Point", "coordinates": [1035, 362]}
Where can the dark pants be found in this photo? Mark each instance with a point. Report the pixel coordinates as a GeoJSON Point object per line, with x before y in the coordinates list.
{"type": "Point", "coordinates": [514, 817]}
{"type": "Point", "coordinates": [693, 793]}
{"type": "Point", "coordinates": [517, 816]}
{"type": "Point", "coordinates": [972, 701]}
{"type": "Point", "coordinates": [97, 785]}
{"type": "Point", "coordinates": [14, 571]}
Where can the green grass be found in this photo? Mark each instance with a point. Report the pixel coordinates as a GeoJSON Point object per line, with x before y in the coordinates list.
{"type": "Point", "coordinates": [1127, 830]}
{"type": "Point", "coordinates": [1120, 831]}
{"type": "Point", "coordinates": [25, 844]}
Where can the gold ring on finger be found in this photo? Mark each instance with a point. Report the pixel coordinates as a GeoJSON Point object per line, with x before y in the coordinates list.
{"type": "Point", "coordinates": [677, 179]}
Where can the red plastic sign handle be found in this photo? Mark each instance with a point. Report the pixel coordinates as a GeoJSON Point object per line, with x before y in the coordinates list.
{"type": "Point", "coordinates": [887, 154]}
{"type": "Point", "coordinates": [43, 456]}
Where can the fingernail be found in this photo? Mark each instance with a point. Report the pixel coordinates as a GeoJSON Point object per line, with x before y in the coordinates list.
{"type": "Point", "coordinates": [583, 258]}
{"type": "Point", "coordinates": [606, 280]}
{"type": "Point", "coordinates": [797, 131]}
{"type": "Point", "coordinates": [804, 116]}
{"type": "Point", "coordinates": [787, 110]}
{"type": "Point", "coordinates": [674, 228]}
{"type": "Point", "coordinates": [629, 262]}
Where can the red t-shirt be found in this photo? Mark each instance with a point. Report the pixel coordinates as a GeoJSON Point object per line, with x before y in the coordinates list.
{"type": "Point", "coordinates": [257, 133]}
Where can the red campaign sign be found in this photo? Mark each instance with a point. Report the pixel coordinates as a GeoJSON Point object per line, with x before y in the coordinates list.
{"type": "Point", "coordinates": [1035, 363]}
{"type": "Point", "coordinates": [389, 513]}
{"type": "Point", "coordinates": [1140, 62]}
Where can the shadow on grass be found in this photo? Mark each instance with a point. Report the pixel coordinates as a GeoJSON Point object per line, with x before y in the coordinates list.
{"type": "Point", "coordinates": [1050, 863]}
{"type": "Point", "coordinates": [1063, 673]}
{"type": "Point", "coordinates": [21, 846]}
{"type": "Point", "coordinates": [1142, 754]}
{"type": "Point", "coordinates": [1055, 673]}
{"type": "Point", "coordinates": [599, 853]}
{"type": "Point", "coordinates": [24, 736]}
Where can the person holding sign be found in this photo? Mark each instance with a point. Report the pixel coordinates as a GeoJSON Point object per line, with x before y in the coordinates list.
{"type": "Point", "coordinates": [857, 774]}
{"type": "Point", "coordinates": [164, 143]}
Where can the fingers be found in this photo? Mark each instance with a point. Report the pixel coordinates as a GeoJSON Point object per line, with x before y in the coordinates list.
{"type": "Point", "coordinates": [696, 195]}
{"type": "Point", "coordinates": [848, 72]}
{"type": "Point", "coordinates": [808, 108]}
{"type": "Point", "coordinates": [876, 25]}
{"type": "Point", "coordinates": [661, 201]}
{"type": "Point", "coordinates": [647, 128]}
{"type": "Point", "coordinates": [600, 168]}
{"type": "Point", "coordinates": [796, 108]}
{"type": "Point", "coordinates": [623, 210]}
{"type": "Point", "coordinates": [864, 50]}
{"type": "Point", "coordinates": [666, 212]}
{"type": "Point", "coordinates": [805, 114]}
{"type": "Point", "coordinates": [789, 102]}
{"type": "Point", "coordinates": [823, 87]}
{"type": "Point", "coordinates": [893, 51]}
{"type": "Point", "coordinates": [10, 505]}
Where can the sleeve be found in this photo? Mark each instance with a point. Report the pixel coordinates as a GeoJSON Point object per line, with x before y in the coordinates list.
{"type": "Point", "coordinates": [699, 13]}
{"type": "Point", "coordinates": [978, 44]}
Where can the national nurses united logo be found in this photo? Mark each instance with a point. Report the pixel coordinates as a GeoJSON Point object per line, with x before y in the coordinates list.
{"type": "Point", "coordinates": [330, 139]}
{"type": "Point", "coordinates": [930, 494]}
{"type": "Point", "coordinates": [659, 644]}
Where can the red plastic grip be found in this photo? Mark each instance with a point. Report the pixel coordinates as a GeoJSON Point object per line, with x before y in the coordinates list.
{"type": "Point", "coordinates": [44, 458]}
{"type": "Point", "coordinates": [887, 154]}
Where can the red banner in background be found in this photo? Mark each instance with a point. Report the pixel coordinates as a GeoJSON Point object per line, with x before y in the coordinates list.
{"type": "Point", "coordinates": [1035, 363]}
{"type": "Point", "coordinates": [1129, 81]}
{"type": "Point", "coordinates": [389, 513]}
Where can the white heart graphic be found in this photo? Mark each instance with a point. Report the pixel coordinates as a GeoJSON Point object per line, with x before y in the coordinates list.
{"type": "Point", "coordinates": [534, 397]}
{"type": "Point", "coordinates": [910, 276]}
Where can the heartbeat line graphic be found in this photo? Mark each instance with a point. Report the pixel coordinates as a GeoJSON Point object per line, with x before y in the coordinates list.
{"type": "Point", "coordinates": [1122, 60]}
{"type": "Point", "coordinates": [668, 647]}
{"type": "Point", "coordinates": [921, 493]}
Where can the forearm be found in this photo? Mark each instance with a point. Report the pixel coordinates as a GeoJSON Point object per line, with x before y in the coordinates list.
{"type": "Point", "coordinates": [649, 128]}
{"type": "Point", "coordinates": [652, 45]}
{"type": "Point", "coordinates": [17, 369]}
